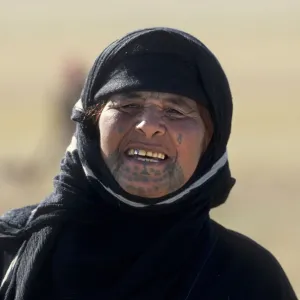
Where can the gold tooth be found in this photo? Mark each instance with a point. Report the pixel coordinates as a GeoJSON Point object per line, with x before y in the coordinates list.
{"type": "Point", "coordinates": [149, 153]}
{"type": "Point", "coordinates": [146, 153]}
{"type": "Point", "coordinates": [131, 152]}
{"type": "Point", "coordinates": [142, 152]}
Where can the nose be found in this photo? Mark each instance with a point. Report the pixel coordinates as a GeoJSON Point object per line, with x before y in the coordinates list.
{"type": "Point", "coordinates": [150, 124]}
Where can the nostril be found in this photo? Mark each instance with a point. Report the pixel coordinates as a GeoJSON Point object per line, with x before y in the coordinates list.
{"type": "Point", "coordinates": [150, 129]}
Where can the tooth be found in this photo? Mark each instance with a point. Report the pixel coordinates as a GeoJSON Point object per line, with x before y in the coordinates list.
{"type": "Point", "coordinates": [142, 152]}
{"type": "Point", "coordinates": [149, 153]}
{"type": "Point", "coordinates": [131, 152]}
{"type": "Point", "coordinates": [161, 156]}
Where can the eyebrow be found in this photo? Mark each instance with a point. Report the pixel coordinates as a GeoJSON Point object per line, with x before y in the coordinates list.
{"type": "Point", "coordinates": [178, 101]}
{"type": "Point", "coordinates": [131, 95]}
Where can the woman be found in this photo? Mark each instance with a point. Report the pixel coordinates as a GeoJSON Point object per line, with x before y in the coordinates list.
{"type": "Point", "coordinates": [129, 215]}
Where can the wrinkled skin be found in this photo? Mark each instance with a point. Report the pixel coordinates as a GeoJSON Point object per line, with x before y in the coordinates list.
{"type": "Point", "coordinates": [157, 122]}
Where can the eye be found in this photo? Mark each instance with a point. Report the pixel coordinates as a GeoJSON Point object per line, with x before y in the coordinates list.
{"type": "Point", "coordinates": [132, 105]}
{"type": "Point", "coordinates": [172, 112]}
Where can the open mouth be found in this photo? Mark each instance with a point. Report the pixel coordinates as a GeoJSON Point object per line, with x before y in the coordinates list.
{"type": "Point", "coordinates": [146, 155]}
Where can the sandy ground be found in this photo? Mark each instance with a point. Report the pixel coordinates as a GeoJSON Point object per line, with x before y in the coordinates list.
{"type": "Point", "coordinates": [258, 44]}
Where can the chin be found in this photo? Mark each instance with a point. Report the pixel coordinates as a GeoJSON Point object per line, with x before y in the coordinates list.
{"type": "Point", "coordinates": [143, 191]}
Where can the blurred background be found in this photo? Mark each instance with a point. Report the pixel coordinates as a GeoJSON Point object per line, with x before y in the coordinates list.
{"type": "Point", "coordinates": [47, 47]}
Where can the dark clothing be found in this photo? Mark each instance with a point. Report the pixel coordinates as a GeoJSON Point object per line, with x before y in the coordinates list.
{"type": "Point", "coordinates": [236, 268]}
{"type": "Point", "coordinates": [147, 245]}
{"type": "Point", "coordinates": [172, 227]}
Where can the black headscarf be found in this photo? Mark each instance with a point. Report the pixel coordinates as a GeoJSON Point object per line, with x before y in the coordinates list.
{"type": "Point", "coordinates": [159, 245]}
{"type": "Point", "coordinates": [213, 84]}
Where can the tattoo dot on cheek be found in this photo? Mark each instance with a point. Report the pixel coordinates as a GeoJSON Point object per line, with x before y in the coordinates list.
{"type": "Point", "coordinates": [179, 138]}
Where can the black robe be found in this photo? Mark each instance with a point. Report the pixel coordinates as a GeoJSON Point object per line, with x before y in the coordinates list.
{"type": "Point", "coordinates": [237, 268]}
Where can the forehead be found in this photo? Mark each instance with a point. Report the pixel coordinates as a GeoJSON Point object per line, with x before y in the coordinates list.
{"type": "Point", "coordinates": [164, 97]}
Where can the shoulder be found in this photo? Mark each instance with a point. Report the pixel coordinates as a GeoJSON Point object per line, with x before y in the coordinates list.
{"type": "Point", "coordinates": [252, 267]}
{"type": "Point", "coordinates": [241, 246]}
{"type": "Point", "coordinates": [18, 217]}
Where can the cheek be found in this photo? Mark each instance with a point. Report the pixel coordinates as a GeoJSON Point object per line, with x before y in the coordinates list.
{"type": "Point", "coordinates": [189, 139]}
{"type": "Point", "coordinates": [112, 127]}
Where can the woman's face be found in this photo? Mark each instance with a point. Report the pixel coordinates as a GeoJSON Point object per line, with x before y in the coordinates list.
{"type": "Point", "coordinates": [150, 141]}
